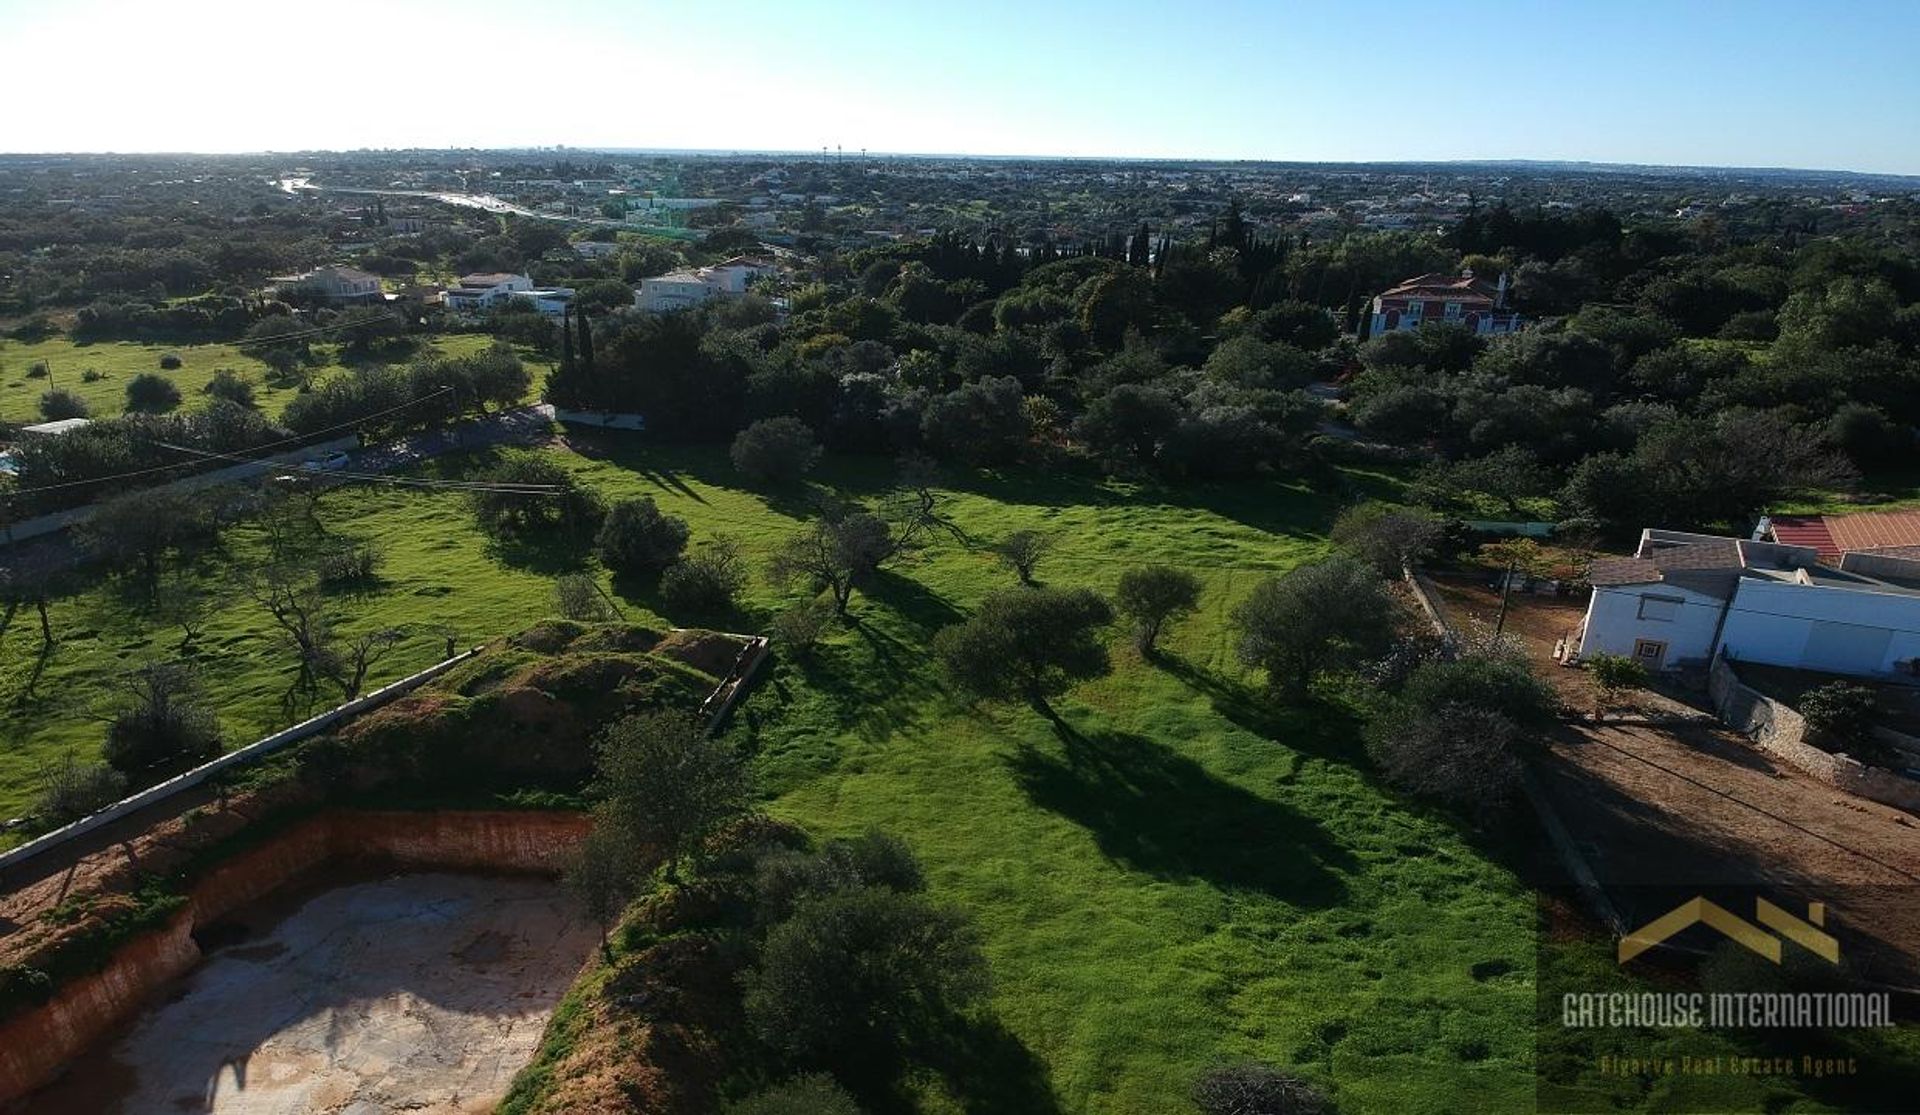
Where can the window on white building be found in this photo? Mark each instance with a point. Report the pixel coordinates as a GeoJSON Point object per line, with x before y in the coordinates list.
{"type": "Point", "coordinates": [1661, 607]}
{"type": "Point", "coordinates": [1453, 311]}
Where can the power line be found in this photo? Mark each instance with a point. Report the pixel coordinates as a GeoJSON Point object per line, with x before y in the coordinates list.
{"type": "Point", "coordinates": [379, 478]}
{"type": "Point", "coordinates": [267, 445]}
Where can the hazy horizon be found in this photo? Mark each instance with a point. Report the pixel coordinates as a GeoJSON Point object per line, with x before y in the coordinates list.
{"type": "Point", "coordinates": [1767, 84]}
{"type": "Point", "coordinates": [563, 149]}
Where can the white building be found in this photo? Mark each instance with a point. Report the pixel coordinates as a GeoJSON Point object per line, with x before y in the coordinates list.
{"type": "Point", "coordinates": [679, 290]}
{"type": "Point", "coordinates": [340, 285]}
{"type": "Point", "coordinates": [552, 302]}
{"type": "Point", "coordinates": [482, 292]}
{"type": "Point", "coordinates": [1683, 598]}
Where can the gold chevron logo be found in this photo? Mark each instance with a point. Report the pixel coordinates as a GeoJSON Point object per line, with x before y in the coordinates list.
{"type": "Point", "coordinates": [1695, 911]}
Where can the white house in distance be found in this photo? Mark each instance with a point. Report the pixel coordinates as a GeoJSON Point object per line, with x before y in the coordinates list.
{"type": "Point", "coordinates": [1683, 598]}
{"type": "Point", "coordinates": [679, 290]}
{"type": "Point", "coordinates": [482, 292]}
{"type": "Point", "coordinates": [339, 285]}
{"type": "Point", "coordinates": [552, 302]}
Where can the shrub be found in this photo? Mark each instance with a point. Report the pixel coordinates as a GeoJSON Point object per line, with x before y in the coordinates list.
{"type": "Point", "coordinates": [1457, 753]}
{"type": "Point", "coordinates": [638, 539]}
{"type": "Point", "coordinates": [815, 1094]}
{"type": "Point", "coordinates": [853, 977]}
{"type": "Point", "coordinates": [1491, 681]}
{"type": "Point", "coordinates": [705, 582]}
{"type": "Point", "coordinates": [1455, 732]}
{"type": "Point", "coordinates": [23, 986]}
{"type": "Point", "coordinates": [1152, 595]}
{"type": "Point", "coordinates": [1021, 551]}
{"type": "Point", "coordinates": [38, 370]}
{"type": "Point", "coordinates": [1386, 537]}
{"type": "Point", "coordinates": [577, 596]}
{"type": "Point", "coordinates": [61, 403]}
{"type": "Point", "coordinates": [1613, 675]}
{"type": "Point", "coordinates": [783, 879]}
{"type": "Point", "coordinates": [1252, 1088]}
{"type": "Point", "coordinates": [1840, 716]}
{"type": "Point", "coordinates": [152, 394]}
{"type": "Point", "coordinates": [229, 385]}
{"type": "Point", "coordinates": [355, 563]}
{"type": "Point", "coordinates": [70, 791]}
{"type": "Point", "coordinates": [170, 362]}
{"type": "Point", "coordinates": [800, 628]}
{"type": "Point", "coordinates": [92, 375]}
{"type": "Point", "coordinates": [775, 450]}
{"type": "Point", "coordinates": [161, 723]}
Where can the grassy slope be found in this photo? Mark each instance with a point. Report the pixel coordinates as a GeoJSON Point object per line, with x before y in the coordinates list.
{"type": "Point", "coordinates": [120, 361]}
{"type": "Point", "coordinates": [1176, 878]}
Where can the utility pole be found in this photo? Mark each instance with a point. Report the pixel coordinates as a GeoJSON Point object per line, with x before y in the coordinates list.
{"type": "Point", "coordinates": [1506, 593]}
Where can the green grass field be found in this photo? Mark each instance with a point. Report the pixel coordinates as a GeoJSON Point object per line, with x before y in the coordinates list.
{"type": "Point", "coordinates": [117, 362]}
{"type": "Point", "coordinates": [1181, 872]}
{"type": "Point", "coordinates": [1179, 875]}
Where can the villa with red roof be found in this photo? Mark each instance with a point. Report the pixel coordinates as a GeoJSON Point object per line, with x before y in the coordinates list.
{"type": "Point", "coordinates": [1464, 300]}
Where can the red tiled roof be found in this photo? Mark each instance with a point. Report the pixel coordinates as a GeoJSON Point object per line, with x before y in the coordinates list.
{"type": "Point", "coordinates": [1805, 530]}
{"type": "Point", "coordinates": [1439, 284]}
{"type": "Point", "coordinates": [1833, 535]}
{"type": "Point", "coordinates": [1874, 530]}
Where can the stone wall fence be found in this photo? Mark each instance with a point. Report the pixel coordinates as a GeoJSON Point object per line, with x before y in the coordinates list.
{"type": "Point", "coordinates": [1781, 732]}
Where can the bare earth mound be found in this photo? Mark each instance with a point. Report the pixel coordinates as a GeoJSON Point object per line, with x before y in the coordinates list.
{"type": "Point", "coordinates": [420, 992]}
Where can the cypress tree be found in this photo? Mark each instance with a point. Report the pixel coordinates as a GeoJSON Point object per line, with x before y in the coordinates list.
{"type": "Point", "coordinates": [566, 340]}
{"type": "Point", "coordinates": [586, 343]}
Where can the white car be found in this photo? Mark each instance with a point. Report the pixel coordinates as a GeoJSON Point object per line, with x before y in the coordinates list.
{"type": "Point", "coordinates": [332, 462]}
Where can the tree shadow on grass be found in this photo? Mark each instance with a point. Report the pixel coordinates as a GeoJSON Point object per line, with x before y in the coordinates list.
{"type": "Point", "coordinates": [1317, 728]}
{"type": "Point", "coordinates": [1154, 810]}
{"type": "Point", "coordinates": [549, 554]}
{"type": "Point", "coordinates": [913, 601]}
{"type": "Point", "coordinates": [988, 1069]}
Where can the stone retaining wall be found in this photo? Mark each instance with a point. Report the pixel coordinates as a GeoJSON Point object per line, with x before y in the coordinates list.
{"type": "Point", "coordinates": [1781, 732]}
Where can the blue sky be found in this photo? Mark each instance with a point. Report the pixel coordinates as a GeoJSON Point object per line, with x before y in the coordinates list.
{"type": "Point", "coordinates": [1753, 82]}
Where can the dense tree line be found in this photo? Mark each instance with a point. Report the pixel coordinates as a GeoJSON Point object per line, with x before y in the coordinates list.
{"type": "Point", "coordinates": [1669, 371]}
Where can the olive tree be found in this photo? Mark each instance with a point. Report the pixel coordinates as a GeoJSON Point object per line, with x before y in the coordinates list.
{"type": "Point", "coordinates": [1027, 643]}
{"type": "Point", "coordinates": [1314, 620]}
{"type": "Point", "coordinates": [1152, 595]}
{"type": "Point", "coordinates": [1021, 551]}
{"type": "Point", "coordinates": [1386, 537]}
{"type": "Point", "coordinates": [835, 554]}
{"type": "Point", "coordinates": [161, 723]}
{"type": "Point", "coordinates": [854, 976]}
{"type": "Point", "coordinates": [638, 539]}
{"type": "Point", "coordinates": [665, 784]}
{"type": "Point", "coordinates": [775, 450]}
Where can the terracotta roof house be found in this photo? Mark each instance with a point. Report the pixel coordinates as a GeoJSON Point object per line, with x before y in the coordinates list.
{"type": "Point", "coordinates": [1837, 535]}
{"type": "Point", "coordinates": [1684, 598]}
{"type": "Point", "coordinates": [1464, 299]}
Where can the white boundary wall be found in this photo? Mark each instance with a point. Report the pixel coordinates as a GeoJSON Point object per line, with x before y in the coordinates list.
{"type": "Point", "coordinates": [61, 520]}
{"type": "Point", "coordinates": [257, 749]}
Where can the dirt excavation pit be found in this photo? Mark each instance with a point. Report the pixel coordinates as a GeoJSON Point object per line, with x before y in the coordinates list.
{"type": "Point", "coordinates": [417, 992]}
